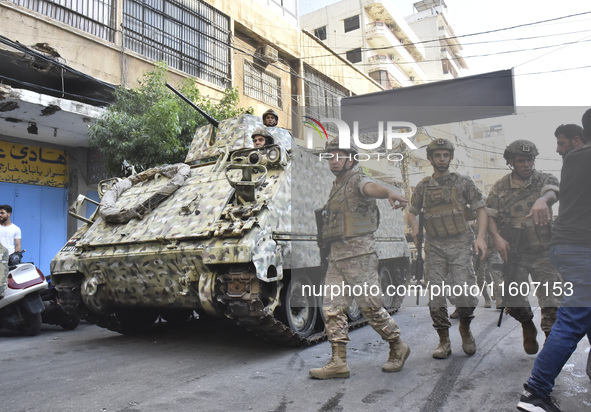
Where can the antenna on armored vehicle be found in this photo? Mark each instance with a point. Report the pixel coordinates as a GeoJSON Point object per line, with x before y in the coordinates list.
{"type": "Point", "coordinates": [209, 118]}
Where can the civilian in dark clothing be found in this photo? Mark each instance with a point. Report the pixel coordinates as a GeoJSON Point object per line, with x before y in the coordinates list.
{"type": "Point", "coordinates": [570, 252]}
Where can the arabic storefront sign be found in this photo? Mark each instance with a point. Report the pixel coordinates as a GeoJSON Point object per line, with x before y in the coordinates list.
{"type": "Point", "coordinates": [33, 165]}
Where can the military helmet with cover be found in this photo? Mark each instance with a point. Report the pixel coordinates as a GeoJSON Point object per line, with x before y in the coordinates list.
{"type": "Point", "coordinates": [440, 144]}
{"type": "Point", "coordinates": [261, 131]}
{"type": "Point", "coordinates": [333, 144]}
{"type": "Point", "coordinates": [271, 112]}
{"type": "Point", "coordinates": [520, 147]}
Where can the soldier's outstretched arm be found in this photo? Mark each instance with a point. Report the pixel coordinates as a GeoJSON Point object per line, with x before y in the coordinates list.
{"type": "Point", "coordinates": [379, 191]}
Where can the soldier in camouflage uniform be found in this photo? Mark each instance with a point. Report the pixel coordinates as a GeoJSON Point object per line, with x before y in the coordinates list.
{"type": "Point", "coordinates": [348, 221]}
{"type": "Point", "coordinates": [445, 197]}
{"type": "Point", "coordinates": [489, 271]}
{"type": "Point", "coordinates": [520, 214]}
{"type": "Point", "coordinates": [3, 269]}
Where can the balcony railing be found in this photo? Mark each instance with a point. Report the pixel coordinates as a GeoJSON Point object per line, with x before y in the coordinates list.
{"type": "Point", "coordinates": [383, 62]}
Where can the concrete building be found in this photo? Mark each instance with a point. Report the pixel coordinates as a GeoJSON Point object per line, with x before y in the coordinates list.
{"type": "Point", "coordinates": [372, 35]}
{"type": "Point", "coordinates": [60, 61]}
{"type": "Point", "coordinates": [442, 48]}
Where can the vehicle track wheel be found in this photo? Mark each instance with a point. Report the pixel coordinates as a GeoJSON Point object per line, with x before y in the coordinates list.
{"type": "Point", "coordinates": [298, 312]}
{"type": "Point", "coordinates": [69, 322]}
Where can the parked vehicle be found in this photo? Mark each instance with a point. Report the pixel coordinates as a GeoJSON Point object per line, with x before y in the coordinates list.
{"type": "Point", "coordinates": [21, 306]}
{"type": "Point", "coordinates": [229, 233]}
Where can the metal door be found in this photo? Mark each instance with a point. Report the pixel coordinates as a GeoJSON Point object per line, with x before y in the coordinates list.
{"type": "Point", "coordinates": [41, 213]}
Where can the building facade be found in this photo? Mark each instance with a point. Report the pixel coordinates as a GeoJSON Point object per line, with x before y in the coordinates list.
{"type": "Point", "coordinates": [61, 61]}
{"type": "Point", "coordinates": [372, 35]}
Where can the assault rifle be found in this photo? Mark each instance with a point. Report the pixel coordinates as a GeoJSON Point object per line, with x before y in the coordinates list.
{"type": "Point", "coordinates": [512, 235]}
{"type": "Point", "coordinates": [419, 263]}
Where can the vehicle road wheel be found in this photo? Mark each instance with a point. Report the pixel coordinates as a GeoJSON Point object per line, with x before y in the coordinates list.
{"type": "Point", "coordinates": [296, 311]}
{"type": "Point", "coordinates": [69, 322]}
{"type": "Point", "coordinates": [354, 311]}
{"type": "Point", "coordinates": [134, 321]}
{"type": "Point", "coordinates": [32, 325]}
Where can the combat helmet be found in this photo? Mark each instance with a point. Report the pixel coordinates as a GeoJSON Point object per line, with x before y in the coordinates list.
{"type": "Point", "coordinates": [440, 144]}
{"type": "Point", "coordinates": [520, 147]}
{"type": "Point", "coordinates": [334, 145]}
{"type": "Point", "coordinates": [261, 131]}
{"type": "Point", "coordinates": [271, 112]}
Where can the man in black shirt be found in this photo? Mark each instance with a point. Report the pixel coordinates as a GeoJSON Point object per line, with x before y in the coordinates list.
{"type": "Point", "coordinates": [570, 252]}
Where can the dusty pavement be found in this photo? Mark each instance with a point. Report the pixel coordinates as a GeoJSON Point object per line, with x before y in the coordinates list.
{"type": "Point", "coordinates": [219, 367]}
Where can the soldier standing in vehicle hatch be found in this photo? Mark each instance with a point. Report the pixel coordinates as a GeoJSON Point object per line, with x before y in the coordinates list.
{"type": "Point", "coordinates": [520, 213]}
{"type": "Point", "coordinates": [270, 118]}
{"type": "Point", "coordinates": [445, 198]}
{"type": "Point", "coordinates": [349, 219]}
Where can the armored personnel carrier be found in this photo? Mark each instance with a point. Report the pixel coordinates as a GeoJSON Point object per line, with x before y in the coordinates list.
{"type": "Point", "coordinates": [229, 233]}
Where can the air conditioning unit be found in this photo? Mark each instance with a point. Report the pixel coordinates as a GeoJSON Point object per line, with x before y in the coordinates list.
{"type": "Point", "coordinates": [268, 54]}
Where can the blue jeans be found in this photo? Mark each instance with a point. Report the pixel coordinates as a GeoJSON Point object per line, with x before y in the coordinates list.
{"type": "Point", "coordinates": [573, 318]}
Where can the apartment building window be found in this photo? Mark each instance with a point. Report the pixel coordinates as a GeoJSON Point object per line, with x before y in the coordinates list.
{"type": "Point", "coordinates": [381, 76]}
{"type": "Point", "coordinates": [96, 17]}
{"type": "Point", "coordinates": [290, 6]}
{"type": "Point", "coordinates": [352, 23]}
{"type": "Point", "coordinates": [320, 32]}
{"type": "Point", "coordinates": [448, 68]}
{"type": "Point", "coordinates": [262, 85]}
{"type": "Point", "coordinates": [191, 36]}
{"type": "Point", "coordinates": [323, 96]}
{"type": "Point", "coordinates": [354, 56]}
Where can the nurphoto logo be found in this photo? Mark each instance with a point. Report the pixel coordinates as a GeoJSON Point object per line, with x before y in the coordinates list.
{"type": "Point", "coordinates": [393, 130]}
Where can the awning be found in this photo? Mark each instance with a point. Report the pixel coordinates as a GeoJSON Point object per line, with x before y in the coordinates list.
{"type": "Point", "coordinates": [466, 98]}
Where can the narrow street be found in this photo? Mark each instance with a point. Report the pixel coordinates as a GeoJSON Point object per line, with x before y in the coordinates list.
{"type": "Point", "coordinates": [219, 367]}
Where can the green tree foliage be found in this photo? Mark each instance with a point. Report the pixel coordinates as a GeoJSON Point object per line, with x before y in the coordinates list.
{"type": "Point", "coordinates": [150, 126]}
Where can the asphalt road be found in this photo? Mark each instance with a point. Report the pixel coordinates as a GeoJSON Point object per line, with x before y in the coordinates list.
{"type": "Point", "coordinates": [219, 367]}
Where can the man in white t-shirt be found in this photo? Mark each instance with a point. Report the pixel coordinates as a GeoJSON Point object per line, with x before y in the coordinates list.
{"type": "Point", "coordinates": [10, 234]}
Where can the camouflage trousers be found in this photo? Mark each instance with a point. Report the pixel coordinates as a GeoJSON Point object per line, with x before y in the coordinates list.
{"type": "Point", "coordinates": [539, 267]}
{"type": "Point", "coordinates": [362, 271]}
{"type": "Point", "coordinates": [490, 273]}
{"type": "Point", "coordinates": [450, 274]}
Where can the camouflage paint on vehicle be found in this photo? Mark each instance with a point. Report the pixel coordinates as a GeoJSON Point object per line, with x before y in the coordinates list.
{"type": "Point", "coordinates": [224, 243]}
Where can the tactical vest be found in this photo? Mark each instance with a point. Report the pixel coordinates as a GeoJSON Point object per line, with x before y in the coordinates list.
{"type": "Point", "coordinates": [515, 204]}
{"type": "Point", "coordinates": [444, 214]}
{"type": "Point", "coordinates": [348, 216]}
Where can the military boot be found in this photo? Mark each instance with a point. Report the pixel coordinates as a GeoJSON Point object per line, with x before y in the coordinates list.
{"type": "Point", "coordinates": [530, 343]}
{"type": "Point", "coordinates": [399, 351]}
{"type": "Point", "coordinates": [468, 343]}
{"type": "Point", "coordinates": [336, 366]}
{"type": "Point", "coordinates": [444, 348]}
